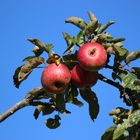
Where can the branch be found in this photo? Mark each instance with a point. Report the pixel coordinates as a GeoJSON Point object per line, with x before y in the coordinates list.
{"type": "Point", "coordinates": [30, 96]}
{"type": "Point", "coordinates": [119, 87]}
{"type": "Point", "coordinates": [12, 110]}
{"type": "Point", "coordinates": [108, 81]}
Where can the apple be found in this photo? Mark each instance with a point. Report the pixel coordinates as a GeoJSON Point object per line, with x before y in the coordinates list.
{"type": "Point", "coordinates": [55, 78]}
{"type": "Point", "coordinates": [92, 56]}
{"type": "Point", "coordinates": [81, 78]}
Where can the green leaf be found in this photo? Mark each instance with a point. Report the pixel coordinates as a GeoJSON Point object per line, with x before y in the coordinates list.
{"type": "Point", "coordinates": [80, 39]}
{"type": "Point", "coordinates": [128, 125]}
{"type": "Point", "coordinates": [120, 53]}
{"type": "Point", "coordinates": [136, 71]}
{"type": "Point", "coordinates": [70, 42]}
{"type": "Point", "coordinates": [77, 22]}
{"type": "Point", "coordinates": [108, 134]}
{"type": "Point", "coordinates": [53, 123]}
{"type": "Point", "coordinates": [91, 98]}
{"type": "Point", "coordinates": [92, 26]}
{"type": "Point", "coordinates": [130, 81]}
{"type": "Point", "coordinates": [104, 27]}
{"type": "Point", "coordinates": [132, 56]}
{"type": "Point", "coordinates": [116, 40]}
{"type": "Point", "coordinates": [121, 131]}
{"type": "Point", "coordinates": [24, 71]}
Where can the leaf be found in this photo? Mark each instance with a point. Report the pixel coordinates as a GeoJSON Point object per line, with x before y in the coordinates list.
{"type": "Point", "coordinates": [92, 26]}
{"type": "Point", "coordinates": [28, 58]}
{"type": "Point", "coordinates": [116, 40]}
{"type": "Point", "coordinates": [120, 53]}
{"type": "Point", "coordinates": [80, 39]}
{"type": "Point", "coordinates": [53, 123]}
{"type": "Point", "coordinates": [130, 81]}
{"type": "Point", "coordinates": [70, 60]}
{"type": "Point", "coordinates": [41, 47]}
{"type": "Point", "coordinates": [91, 98]}
{"type": "Point", "coordinates": [54, 59]}
{"type": "Point", "coordinates": [132, 56]}
{"type": "Point", "coordinates": [69, 41]}
{"type": "Point", "coordinates": [72, 97]}
{"type": "Point", "coordinates": [92, 16]}
{"type": "Point", "coordinates": [108, 134]}
{"type": "Point", "coordinates": [77, 22]}
{"type": "Point", "coordinates": [104, 27]}
{"type": "Point", "coordinates": [136, 71]}
{"type": "Point", "coordinates": [128, 125]}
{"type": "Point", "coordinates": [37, 111]}
{"type": "Point", "coordinates": [37, 51]}
{"type": "Point", "coordinates": [24, 71]}
{"type": "Point", "coordinates": [60, 103]}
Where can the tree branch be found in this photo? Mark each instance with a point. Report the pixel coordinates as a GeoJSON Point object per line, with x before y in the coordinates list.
{"type": "Point", "coordinates": [119, 87]}
{"type": "Point", "coordinates": [108, 81]}
{"type": "Point", "coordinates": [12, 110]}
{"type": "Point", "coordinates": [30, 96]}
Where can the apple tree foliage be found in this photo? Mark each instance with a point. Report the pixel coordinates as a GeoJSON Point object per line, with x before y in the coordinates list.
{"type": "Point", "coordinates": [124, 77]}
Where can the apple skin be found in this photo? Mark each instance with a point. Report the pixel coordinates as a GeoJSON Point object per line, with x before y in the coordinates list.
{"type": "Point", "coordinates": [92, 56]}
{"type": "Point", "coordinates": [81, 78]}
{"type": "Point", "coordinates": [55, 78]}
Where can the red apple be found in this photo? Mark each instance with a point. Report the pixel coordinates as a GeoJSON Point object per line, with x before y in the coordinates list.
{"type": "Point", "coordinates": [55, 78]}
{"type": "Point", "coordinates": [92, 56]}
{"type": "Point", "coordinates": [82, 78]}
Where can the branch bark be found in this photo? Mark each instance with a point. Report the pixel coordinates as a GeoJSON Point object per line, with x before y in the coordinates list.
{"type": "Point", "coordinates": [30, 96]}
{"type": "Point", "coordinates": [23, 103]}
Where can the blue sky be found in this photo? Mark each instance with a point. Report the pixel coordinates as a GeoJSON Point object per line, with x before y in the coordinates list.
{"type": "Point", "coordinates": [44, 20]}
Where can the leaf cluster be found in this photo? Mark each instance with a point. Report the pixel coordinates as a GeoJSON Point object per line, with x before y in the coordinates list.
{"type": "Point", "coordinates": [124, 77]}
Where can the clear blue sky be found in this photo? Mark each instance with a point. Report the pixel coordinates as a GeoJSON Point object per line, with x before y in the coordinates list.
{"type": "Point", "coordinates": [44, 19]}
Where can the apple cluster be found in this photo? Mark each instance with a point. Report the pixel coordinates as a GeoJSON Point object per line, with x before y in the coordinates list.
{"type": "Point", "coordinates": [91, 58]}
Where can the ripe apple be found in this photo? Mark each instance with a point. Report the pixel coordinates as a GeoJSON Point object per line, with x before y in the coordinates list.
{"type": "Point", "coordinates": [82, 78]}
{"type": "Point", "coordinates": [55, 78]}
{"type": "Point", "coordinates": [92, 56]}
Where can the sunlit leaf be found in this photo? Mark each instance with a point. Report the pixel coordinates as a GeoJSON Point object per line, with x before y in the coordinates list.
{"type": "Point", "coordinates": [129, 124]}
{"type": "Point", "coordinates": [91, 98]}
{"type": "Point", "coordinates": [77, 22]}
{"type": "Point", "coordinates": [104, 27]}
{"type": "Point", "coordinates": [132, 56]}
{"type": "Point", "coordinates": [130, 81]}
{"type": "Point", "coordinates": [23, 71]}
{"type": "Point", "coordinates": [80, 39]}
